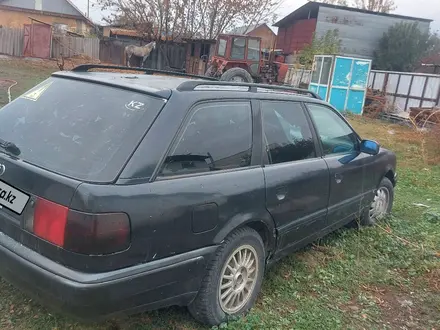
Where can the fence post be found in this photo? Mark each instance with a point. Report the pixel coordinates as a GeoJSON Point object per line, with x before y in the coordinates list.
{"type": "Point", "coordinates": [438, 96]}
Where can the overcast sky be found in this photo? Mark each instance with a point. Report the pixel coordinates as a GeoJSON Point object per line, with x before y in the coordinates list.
{"type": "Point", "coordinates": [417, 8]}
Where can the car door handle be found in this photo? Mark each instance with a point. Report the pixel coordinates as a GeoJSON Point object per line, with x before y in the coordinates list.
{"type": "Point", "coordinates": [281, 193]}
{"type": "Point", "coordinates": [338, 178]}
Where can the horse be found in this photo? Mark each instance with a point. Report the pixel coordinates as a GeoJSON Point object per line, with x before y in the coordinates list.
{"type": "Point", "coordinates": [143, 52]}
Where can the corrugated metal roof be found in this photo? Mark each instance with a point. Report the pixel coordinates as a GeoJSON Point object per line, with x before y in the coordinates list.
{"type": "Point", "coordinates": [125, 32]}
{"type": "Point", "coordinates": [61, 7]}
{"type": "Point", "coordinates": [243, 30]}
{"type": "Point", "coordinates": [312, 5]}
{"type": "Point", "coordinates": [84, 16]}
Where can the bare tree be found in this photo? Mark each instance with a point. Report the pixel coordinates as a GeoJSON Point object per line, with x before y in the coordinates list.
{"type": "Point", "coordinates": [165, 19]}
{"type": "Point", "coordinates": [382, 6]}
{"type": "Point", "coordinates": [335, 2]}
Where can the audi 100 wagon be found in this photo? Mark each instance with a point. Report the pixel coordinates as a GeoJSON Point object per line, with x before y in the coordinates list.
{"type": "Point", "coordinates": [121, 193]}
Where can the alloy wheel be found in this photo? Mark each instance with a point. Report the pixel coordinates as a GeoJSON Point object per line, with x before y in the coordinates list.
{"type": "Point", "coordinates": [238, 279]}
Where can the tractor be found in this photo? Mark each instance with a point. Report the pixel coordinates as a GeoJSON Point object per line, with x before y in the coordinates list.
{"type": "Point", "coordinates": [240, 58]}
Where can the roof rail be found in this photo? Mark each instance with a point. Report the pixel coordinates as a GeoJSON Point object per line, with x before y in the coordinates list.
{"type": "Point", "coordinates": [87, 67]}
{"type": "Point", "coordinates": [255, 88]}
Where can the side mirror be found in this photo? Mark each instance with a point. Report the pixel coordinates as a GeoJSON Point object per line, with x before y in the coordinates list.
{"type": "Point", "coordinates": [370, 147]}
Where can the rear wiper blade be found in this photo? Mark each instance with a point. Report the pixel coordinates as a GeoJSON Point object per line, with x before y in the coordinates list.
{"type": "Point", "coordinates": [10, 147]}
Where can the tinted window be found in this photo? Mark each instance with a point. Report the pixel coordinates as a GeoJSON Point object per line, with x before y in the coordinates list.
{"type": "Point", "coordinates": [217, 136]}
{"type": "Point", "coordinates": [336, 136]}
{"type": "Point", "coordinates": [287, 132]}
{"type": "Point", "coordinates": [253, 49]}
{"type": "Point", "coordinates": [221, 47]}
{"type": "Point", "coordinates": [238, 47]}
{"type": "Point", "coordinates": [76, 128]}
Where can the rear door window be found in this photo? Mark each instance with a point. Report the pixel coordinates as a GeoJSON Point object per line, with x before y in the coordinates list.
{"type": "Point", "coordinates": [217, 136]}
{"type": "Point", "coordinates": [82, 130]}
{"type": "Point", "coordinates": [287, 133]}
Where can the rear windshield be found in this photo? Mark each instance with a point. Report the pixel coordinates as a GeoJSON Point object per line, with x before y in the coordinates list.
{"type": "Point", "coordinates": [82, 130]}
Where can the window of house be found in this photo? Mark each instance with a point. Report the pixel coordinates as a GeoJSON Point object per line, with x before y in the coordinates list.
{"type": "Point", "coordinates": [218, 136]}
{"type": "Point", "coordinates": [238, 48]}
{"type": "Point", "coordinates": [336, 136]}
{"type": "Point", "coordinates": [221, 47]}
{"type": "Point", "coordinates": [287, 133]}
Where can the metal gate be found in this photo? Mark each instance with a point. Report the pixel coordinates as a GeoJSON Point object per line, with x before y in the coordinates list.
{"type": "Point", "coordinates": [37, 40]}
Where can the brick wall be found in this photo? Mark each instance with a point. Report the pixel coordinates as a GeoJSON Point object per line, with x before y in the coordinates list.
{"type": "Point", "coordinates": [293, 38]}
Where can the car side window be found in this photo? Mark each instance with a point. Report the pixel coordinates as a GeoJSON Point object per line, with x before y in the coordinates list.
{"type": "Point", "coordinates": [335, 135]}
{"type": "Point", "coordinates": [217, 136]}
{"type": "Point", "coordinates": [287, 133]}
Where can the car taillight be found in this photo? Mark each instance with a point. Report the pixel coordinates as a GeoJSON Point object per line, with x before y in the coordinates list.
{"type": "Point", "coordinates": [92, 234]}
{"type": "Point", "coordinates": [97, 233]}
{"type": "Point", "coordinates": [50, 221]}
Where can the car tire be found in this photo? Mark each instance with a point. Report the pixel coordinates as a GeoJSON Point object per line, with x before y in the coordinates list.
{"type": "Point", "coordinates": [237, 75]}
{"type": "Point", "coordinates": [382, 204]}
{"type": "Point", "coordinates": [208, 307]}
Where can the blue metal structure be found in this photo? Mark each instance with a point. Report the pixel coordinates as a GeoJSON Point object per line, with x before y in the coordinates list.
{"type": "Point", "coordinates": [342, 81]}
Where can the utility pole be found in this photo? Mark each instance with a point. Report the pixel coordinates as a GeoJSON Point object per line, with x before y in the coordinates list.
{"type": "Point", "coordinates": [88, 8]}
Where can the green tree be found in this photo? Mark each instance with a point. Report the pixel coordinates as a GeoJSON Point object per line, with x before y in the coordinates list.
{"type": "Point", "coordinates": [403, 46]}
{"type": "Point", "coordinates": [328, 44]}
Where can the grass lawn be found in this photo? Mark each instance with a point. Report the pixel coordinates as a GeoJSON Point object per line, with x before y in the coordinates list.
{"type": "Point", "coordinates": [384, 277]}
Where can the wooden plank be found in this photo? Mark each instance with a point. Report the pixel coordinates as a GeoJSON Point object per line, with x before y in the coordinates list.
{"type": "Point", "coordinates": [71, 46]}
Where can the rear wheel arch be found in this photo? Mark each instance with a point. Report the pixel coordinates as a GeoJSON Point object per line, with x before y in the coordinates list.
{"type": "Point", "coordinates": [262, 229]}
{"type": "Point", "coordinates": [264, 226]}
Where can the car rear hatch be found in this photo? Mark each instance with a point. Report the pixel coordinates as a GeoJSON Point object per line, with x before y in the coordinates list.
{"type": "Point", "coordinates": [65, 132]}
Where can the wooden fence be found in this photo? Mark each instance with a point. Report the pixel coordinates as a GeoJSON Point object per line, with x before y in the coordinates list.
{"type": "Point", "coordinates": [71, 46]}
{"type": "Point", "coordinates": [298, 77]}
{"type": "Point", "coordinates": [113, 51]}
{"type": "Point", "coordinates": [11, 41]}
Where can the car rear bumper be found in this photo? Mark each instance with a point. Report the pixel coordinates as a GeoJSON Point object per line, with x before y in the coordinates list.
{"type": "Point", "coordinates": [171, 281]}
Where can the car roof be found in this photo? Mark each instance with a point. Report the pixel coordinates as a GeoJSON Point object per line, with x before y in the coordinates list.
{"type": "Point", "coordinates": [163, 83]}
{"type": "Point", "coordinates": [160, 85]}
